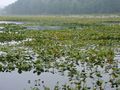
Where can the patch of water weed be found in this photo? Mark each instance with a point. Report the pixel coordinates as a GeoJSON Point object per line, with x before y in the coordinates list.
{"type": "Point", "coordinates": [12, 27]}
{"type": "Point", "coordinates": [20, 58]}
{"type": "Point", "coordinates": [11, 36]}
{"type": "Point", "coordinates": [93, 65]}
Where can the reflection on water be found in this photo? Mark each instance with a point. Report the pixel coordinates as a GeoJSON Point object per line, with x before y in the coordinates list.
{"type": "Point", "coordinates": [111, 23]}
{"type": "Point", "coordinates": [1, 28]}
{"type": "Point", "coordinates": [10, 22]}
{"type": "Point", "coordinates": [44, 27]}
{"type": "Point", "coordinates": [26, 80]}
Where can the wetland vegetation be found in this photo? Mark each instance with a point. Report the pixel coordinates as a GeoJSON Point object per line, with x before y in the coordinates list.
{"type": "Point", "coordinates": [83, 51]}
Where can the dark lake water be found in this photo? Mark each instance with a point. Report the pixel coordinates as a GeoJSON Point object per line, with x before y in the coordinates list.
{"type": "Point", "coordinates": [32, 27]}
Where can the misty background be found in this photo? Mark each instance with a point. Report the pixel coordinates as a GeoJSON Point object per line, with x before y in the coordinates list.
{"type": "Point", "coordinates": [59, 7]}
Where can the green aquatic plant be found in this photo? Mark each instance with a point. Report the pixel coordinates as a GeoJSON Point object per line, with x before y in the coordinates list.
{"type": "Point", "coordinates": [84, 49]}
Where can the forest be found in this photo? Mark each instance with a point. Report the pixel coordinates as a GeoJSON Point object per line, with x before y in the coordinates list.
{"type": "Point", "coordinates": [63, 7]}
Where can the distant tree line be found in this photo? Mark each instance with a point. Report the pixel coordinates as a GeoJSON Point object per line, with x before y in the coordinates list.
{"type": "Point", "coordinates": [63, 7]}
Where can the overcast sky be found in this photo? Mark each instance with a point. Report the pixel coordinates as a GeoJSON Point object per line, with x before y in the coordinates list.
{"type": "Point", "coordinates": [4, 3]}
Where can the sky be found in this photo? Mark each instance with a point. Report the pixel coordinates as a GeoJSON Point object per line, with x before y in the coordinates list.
{"type": "Point", "coordinates": [4, 3]}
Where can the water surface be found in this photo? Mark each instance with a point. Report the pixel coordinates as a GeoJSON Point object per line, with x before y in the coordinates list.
{"type": "Point", "coordinates": [44, 27]}
{"type": "Point", "coordinates": [26, 80]}
{"type": "Point", "coordinates": [11, 22]}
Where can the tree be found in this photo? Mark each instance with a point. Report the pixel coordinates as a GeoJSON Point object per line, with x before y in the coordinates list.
{"type": "Point", "coordinates": [63, 6]}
